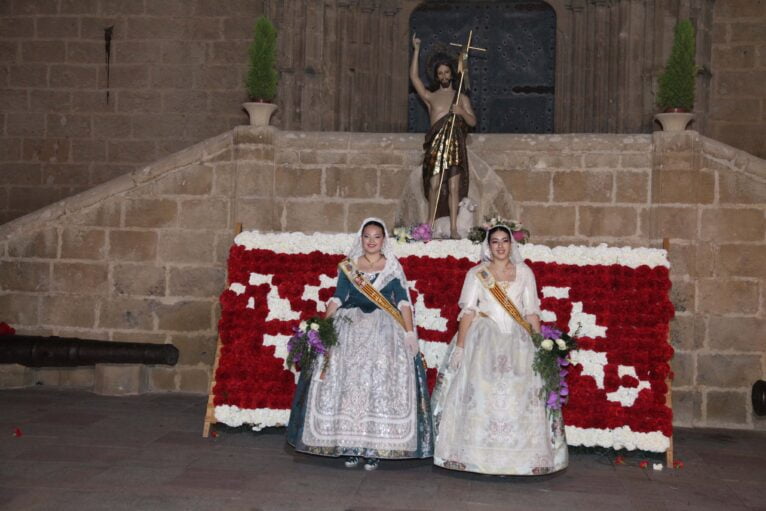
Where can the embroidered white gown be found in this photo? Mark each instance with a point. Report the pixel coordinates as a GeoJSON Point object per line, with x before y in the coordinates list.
{"type": "Point", "coordinates": [373, 398]}
{"type": "Point", "coordinates": [489, 416]}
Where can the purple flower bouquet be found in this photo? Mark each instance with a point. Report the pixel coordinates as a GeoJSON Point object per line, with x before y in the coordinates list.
{"type": "Point", "coordinates": [551, 362]}
{"type": "Point", "coordinates": [310, 339]}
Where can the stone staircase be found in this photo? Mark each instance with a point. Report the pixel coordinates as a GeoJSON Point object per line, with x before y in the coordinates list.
{"type": "Point", "coordinates": [142, 257]}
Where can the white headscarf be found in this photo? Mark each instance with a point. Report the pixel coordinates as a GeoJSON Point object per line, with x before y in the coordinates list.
{"type": "Point", "coordinates": [392, 269]}
{"type": "Point", "coordinates": [486, 253]}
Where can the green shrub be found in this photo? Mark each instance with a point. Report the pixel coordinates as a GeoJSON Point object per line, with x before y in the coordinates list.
{"type": "Point", "coordinates": [676, 86]}
{"type": "Point", "coordinates": [262, 76]}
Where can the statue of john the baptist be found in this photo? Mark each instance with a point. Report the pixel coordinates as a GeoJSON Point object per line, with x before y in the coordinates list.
{"type": "Point", "coordinates": [441, 101]}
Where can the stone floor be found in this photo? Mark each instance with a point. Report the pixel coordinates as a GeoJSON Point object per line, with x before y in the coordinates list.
{"type": "Point", "coordinates": [83, 451]}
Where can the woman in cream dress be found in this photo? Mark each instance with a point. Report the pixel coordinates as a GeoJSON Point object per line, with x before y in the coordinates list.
{"type": "Point", "coordinates": [489, 416]}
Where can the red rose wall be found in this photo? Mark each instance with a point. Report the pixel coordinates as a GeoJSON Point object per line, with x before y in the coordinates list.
{"type": "Point", "coordinates": [616, 297]}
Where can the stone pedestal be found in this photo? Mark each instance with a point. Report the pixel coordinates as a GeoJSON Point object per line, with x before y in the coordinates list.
{"type": "Point", "coordinates": [15, 375]}
{"type": "Point", "coordinates": [119, 379]}
{"type": "Point", "coordinates": [77, 377]}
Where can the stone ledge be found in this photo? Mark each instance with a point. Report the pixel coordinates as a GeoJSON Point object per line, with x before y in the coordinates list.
{"type": "Point", "coordinates": [197, 153]}
{"type": "Point", "coordinates": [254, 135]}
{"type": "Point", "coordinates": [735, 159]}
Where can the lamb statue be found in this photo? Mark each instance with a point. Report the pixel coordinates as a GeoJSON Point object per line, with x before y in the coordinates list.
{"type": "Point", "coordinates": [465, 220]}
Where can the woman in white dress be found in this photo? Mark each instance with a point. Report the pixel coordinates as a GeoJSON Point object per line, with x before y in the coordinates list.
{"type": "Point", "coordinates": [371, 400]}
{"type": "Point", "coordinates": [489, 415]}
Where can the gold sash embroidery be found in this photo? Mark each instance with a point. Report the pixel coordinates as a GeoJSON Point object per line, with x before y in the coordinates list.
{"type": "Point", "coordinates": [488, 281]}
{"type": "Point", "coordinates": [363, 286]}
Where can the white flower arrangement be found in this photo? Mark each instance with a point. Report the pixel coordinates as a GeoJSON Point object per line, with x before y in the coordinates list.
{"type": "Point", "coordinates": [617, 438]}
{"type": "Point", "coordinates": [299, 243]}
{"type": "Point", "coordinates": [261, 418]}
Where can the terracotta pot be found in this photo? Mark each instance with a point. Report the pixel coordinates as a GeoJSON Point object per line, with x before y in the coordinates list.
{"type": "Point", "coordinates": [260, 113]}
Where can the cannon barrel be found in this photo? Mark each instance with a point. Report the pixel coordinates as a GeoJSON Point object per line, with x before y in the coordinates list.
{"type": "Point", "coordinates": [759, 398]}
{"type": "Point", "coordinates": [37, 351]}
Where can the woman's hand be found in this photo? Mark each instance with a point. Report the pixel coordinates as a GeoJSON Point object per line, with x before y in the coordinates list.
{"type": "Point", "coordinates": [411, 344]}
{"type": "Point", "coordinates": [330, 309]}
{"type": "Point", "coordinates": [456, 359]}
{"type": "Point", "coordinates": [534, 322]}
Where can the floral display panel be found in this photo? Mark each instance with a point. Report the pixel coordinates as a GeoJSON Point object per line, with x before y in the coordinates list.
{"type": "Point", "coordinates": [614, 299]}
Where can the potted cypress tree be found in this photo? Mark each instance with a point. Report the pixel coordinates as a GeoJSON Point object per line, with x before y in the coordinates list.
{"type": "Point", "coordinates": [675, 95]}
{"type": "Point", "coordinates": [261, 81]}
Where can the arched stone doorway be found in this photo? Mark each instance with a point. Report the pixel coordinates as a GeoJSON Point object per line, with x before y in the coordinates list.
{"type": "Point", "coordinates": [512, 84]}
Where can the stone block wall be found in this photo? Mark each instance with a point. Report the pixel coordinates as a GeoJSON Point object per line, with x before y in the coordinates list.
{"type": "Point", "coordinates": [738, 96]}
{"type": "Point", "coordinates": [142, 257]}
{"type": "Point", "coordinates": [327, 182]}
{"type": "Point", "coordinates": [584, 189]}
{"type": "Point", "coordinates": [716, 197]}
{"type": "Point", "coordinates": [177, 68]}
{"type": "Point", "coordinates": [176, 77]}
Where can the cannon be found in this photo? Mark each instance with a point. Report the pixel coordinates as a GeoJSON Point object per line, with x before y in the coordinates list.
{"type": "Point", "coordinates": [759, 397]}
{"type": "Point", "coordinates": [39, 351]}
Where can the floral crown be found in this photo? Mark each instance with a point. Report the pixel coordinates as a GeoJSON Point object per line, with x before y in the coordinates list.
{"type": "Point", "coordinates": [518, 231]}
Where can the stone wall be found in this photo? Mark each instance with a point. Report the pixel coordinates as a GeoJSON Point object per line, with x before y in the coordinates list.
{"type": "Point", "coordinates": [176, 77]}
{"type": "Point", "coordinates": [716, 197]}
{"type": "Point", "coordinates": [142, 257]}
{"type": "Point", "coordinates": [738, 95]}
{"type": "Point", "coordinates": [177, 68]}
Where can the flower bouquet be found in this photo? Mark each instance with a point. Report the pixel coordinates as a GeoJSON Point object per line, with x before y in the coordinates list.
{"type": "Point", "coordinates": [310, 339]}
{"type": "Point", "coordinates": [479, 232]}
{"type": "Point", "coordinates": [417, 232]}
{"type": "Point", "coordinates": [551, 362]}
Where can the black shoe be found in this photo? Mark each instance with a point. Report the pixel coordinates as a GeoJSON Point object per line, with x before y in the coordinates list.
{"type": "Point", "coordinates": [352, 461]}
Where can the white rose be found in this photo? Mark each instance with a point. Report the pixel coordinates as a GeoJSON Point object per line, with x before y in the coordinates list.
{"type": "Point", "coordinates": [315, 326]}
{"type": "Point", "coordinates": [547, 345]}
{"type": "Point", "coordinates": [303, 326]}
{"type": "Point", "coordinates": [561, 344]}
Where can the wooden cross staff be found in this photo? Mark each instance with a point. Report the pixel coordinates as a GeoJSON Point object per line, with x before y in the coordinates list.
{"type": "Point", "coordinates": [462, 68]}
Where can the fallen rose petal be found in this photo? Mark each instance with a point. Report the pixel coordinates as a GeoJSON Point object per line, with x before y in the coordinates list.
{"type": "Point", "coordinates": [214, 434]}
{"type": "Point", "coordinates": [643, 464]}
{"type": "Point", "coordinates": [17, 432]}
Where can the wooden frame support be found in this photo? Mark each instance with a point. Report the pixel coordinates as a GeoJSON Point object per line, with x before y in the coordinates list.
{"type": "Point", "coordinates": [669, 382]}
{"type": "Point", "coordinates": [210, 409]}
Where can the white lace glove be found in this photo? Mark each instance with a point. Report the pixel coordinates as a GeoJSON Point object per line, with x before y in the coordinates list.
{"type": "Point", "coordinates": [457, 358]}
{"type": "Point", "coordinates": [411, 344]}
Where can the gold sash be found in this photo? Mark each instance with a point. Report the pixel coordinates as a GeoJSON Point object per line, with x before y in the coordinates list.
{"type": "Point", "coordinates": [363, 286]}
{"type": "Point", "coordinates": [488, 281]}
